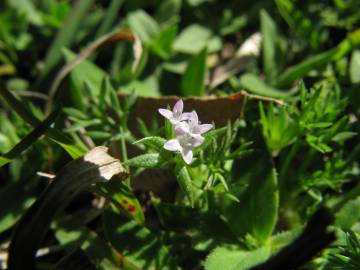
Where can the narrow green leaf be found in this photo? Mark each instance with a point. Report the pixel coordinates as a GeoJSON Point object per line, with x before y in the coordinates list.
{"type": "Point", "coordinates": [66, 34]}
{"type": "Point", "coordinates": [29, 139]}
{"type": "Point", "coordinates": [343, 136]}
{"type": "Point", "coordinates": [83, 124]}
{"type": "Point", "coordinates": [255, 85]}
{"type": "Point", "coordinates": [192, 83]}
{"type": "Point", "coordinates": [4, 161]}
{"type": "Point", "coordinates": [99, 135]}
{"type": "Point", "coordinates": [154, 142]}
{"type": "Point", "coordinates": [317, 143]}
{"type": "Point", "coordinates": [109, 17]}
{"type": "Point", "coordinates": [235, 259]}
{"type": "Point", "coordinates": [319, 125]}
{"type": "Point", "coordinates": [269, 46]}
{"type": "Point", "coordinates": [185, 183]}
{"type": "Point", "coordinates": [317, 61]}
{"type": "Point", "coordinates": [75, 113]}
{"type": "Point", "coordinates": [355, 67]}
{"type": "Point", "coordinates": [64, 141]}
{"type": "Point", "coordinates": [301, 69]}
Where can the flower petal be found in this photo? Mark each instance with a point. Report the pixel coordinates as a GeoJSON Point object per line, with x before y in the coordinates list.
{"type": "Point", "coordinates": [178, 107]}
{"type": "Point", "coordinates": [197, 140]}
{"type": "Point", "coordinates": [187, 155]}
{"type": "Point", "coordinates": [166, 113]}
{"type": "Point", "coordinates": [186, 116]}
{"type": "Point", "coordinates": [173, 145]}
{"type": "Point", "coordinates": [182, 128]}
{"type": "Point", "coordinates": [195, 118]}
{"type": "Point", "coordinates": [204, 128]}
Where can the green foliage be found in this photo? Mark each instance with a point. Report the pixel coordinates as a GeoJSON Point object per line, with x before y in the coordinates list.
{"type": "Point", "coordinates": [65, 35]}
{"type": "Point", "coordinates": [13, 207]}
{"type": "Point", "coordinates": [231, 259]}
{"type": "Point", "coordinates": [29, 140]}
{"type": "Point", "coordinates": [192, 83]}
{"type": "Point", "coordinates": [346, 256]}
{"type": "Point", "coordinates": [354, 67]}
{"type": "Point", "coordinates": [149, 161]}
{"type": "Point", "coordinates": [280, 130]}
{"type": "Point", "coordinates": [195, 38]}
{"type": "Point", "coordinates": [137, 243]}
{"type": "Point", "coordinates": [185, 183]}
{"type": "Point", "coordinates": [349, 215]}
{"type": "Point", "coordinates": [254, 182]}
{"type": "Point", "coordinates": [270, 48]}
{"type": "Point", "coordinates": [255, 85]}
{"type": "Point", "coordinates": [255, 214]}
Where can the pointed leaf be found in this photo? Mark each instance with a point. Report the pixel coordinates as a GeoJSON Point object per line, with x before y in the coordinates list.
{"type": "Point", "coordinates": [255, 85]}
{"type": "Point", "coordinates": [192, 83]}
{"type": "Point", "coordinates": [29, 139]}
{"type": "Point", "coordinates": [152, 160]}
{"type": "Point", "coordinates": [185, 183]}
{"type": "Point", "coordinates": [256, 213]}
{"type": "Point", "coordinates": [233, 259]}
{"type": "Point", "coordinates": [269, 46]}
{"type": "Point", "coordinates": [153, 142]}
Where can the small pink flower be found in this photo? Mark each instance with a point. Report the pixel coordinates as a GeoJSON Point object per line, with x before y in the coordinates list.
{"type": "Point", "coordinates": [176, 115]}
{"type": "Point", "coordinates": [184, 143]}
{"type": "Point", "coordinates": [188, 131]}
{"type": "Point", "coordinates": [192, 125]}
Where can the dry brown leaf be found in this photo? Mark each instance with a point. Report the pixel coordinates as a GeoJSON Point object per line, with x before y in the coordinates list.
{"type": "Point", "coordinates": [210, 109]}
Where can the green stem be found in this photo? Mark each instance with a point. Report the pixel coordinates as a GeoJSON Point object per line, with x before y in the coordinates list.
{"type": "Point", "coordinates": [123, 145]}
{"type": "Point", "coordinates": [285, 166]}
{"type": "Point", "coordinates": [284, 185]}
{"type": "Point", "coordinates": [124, 152]}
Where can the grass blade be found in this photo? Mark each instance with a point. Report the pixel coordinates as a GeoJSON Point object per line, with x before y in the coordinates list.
{"type": "Point", "coordinates": [255, 85]}
{"type": "Point", "coordinates": [65, 36]}
{"type": "Point", "coordinates": [29, 139]}
{"type": "Point", "coordinates": [64, 141]}
{"type": "Point", "coordinates": [109, 17]}
{"type": "Point", "coordinates": [301, 69]}
{"type": "Point", "coordinates": [269, 34]}
{"type": "Point", "coordinates": [192, 84]}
